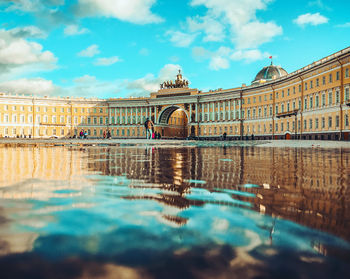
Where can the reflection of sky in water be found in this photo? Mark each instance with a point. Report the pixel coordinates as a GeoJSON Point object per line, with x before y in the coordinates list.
{"type": "Point", "coordinates": [145, 224]}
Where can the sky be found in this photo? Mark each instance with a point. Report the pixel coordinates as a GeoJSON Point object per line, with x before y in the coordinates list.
{"type": "Point", "coordinates": [126, 48]}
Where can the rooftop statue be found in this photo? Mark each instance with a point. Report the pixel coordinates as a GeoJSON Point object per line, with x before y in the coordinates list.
{"type": "Point", "coordinates": [178, 83]}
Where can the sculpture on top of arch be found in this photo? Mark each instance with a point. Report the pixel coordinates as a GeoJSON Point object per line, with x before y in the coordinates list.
{"type": "Point", "coordinates": [178, 83]}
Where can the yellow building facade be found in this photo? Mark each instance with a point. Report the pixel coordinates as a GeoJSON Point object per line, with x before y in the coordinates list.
{"type": "Point", "coordinates": [310, 103]}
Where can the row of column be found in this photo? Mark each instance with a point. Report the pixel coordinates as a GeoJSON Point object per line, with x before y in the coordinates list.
{"type": "Point", "coordinates": [148, 112]}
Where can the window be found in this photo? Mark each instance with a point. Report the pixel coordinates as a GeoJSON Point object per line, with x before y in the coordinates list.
{"type": "Point", "coordinates": [330, 121]}
{"type": "Point", "coordinates": [6, 107]}
{"type": "Point", "coordinates": [14, 118]}
{"type": "Point", "coordinates": [62, 132]}
{"type": "Point", "coordinates": [288, 92]}
{"type": "Point", "coordinates": [282, 93]}
{"type": "Point", "coordinates": [305, 87]}
{"type": "Point", "coordinates": [330, 98]}
{"type": "Point", "coordinates": [14, 107]}
{"type": "Point", "coordinates": [316, 123]}
{"type": "Point", "coordinates": [317, 101]}
{"type": "Point", "coordinates": [270, 96]}
{"type": "Point", "coordinates": [317, 82]}
{"type": "Point", "coordinates": [282, 108]}
{"type": "Point", "coordinates": [299, 87]}
{"type": "Point", "coordinates": [323, 122]}
{"type": "Point", "coordinates": [310, 124]}
{"type": "Point", "coordinates": [311, 102]}
{"type": "Point", "coordinates": [276, 109]}
{"type": "Point", "coordinates": [75, 110]}
{"type": "Point", "coordinates": [346, 120]}
{"type": "Point", "coordinates": [347, 72]}
{"type": "Point", "coordinates": [337, 75]}
{"type": "Point", "coordinates": [62, 109]}
{"type": "Point", "coordinates": [323, 99]}
{"type": "Point", "coordinates": [337, 121]}
{"type": "Point", "coordinates": [101, 120]}
{"type": "Point", "coordinates": [304, 124]}
{"type": "Point", "coordinates": [282, 127]}
{"type": "Point", "coordinates": [330, 78]}
{"type": "Point", "coordinates": [347, 97]}
{"type": "Point", "coordinates": [293, 89]}
{"type": "Point", "coordinates": [323, 80]}
{"type": "Point", "coordinates": [305, 103]}
{"type": "Point", "coordinates": [45, 109]}
{"type": "Point", "coordinates": [276, 95]}
{"type": "Point", "coordinates": [337, 97]}
{"type": "Point", "coordinates": [101, 110]}
{"type": "Point", "coordinates": [30, 118]}
{"type": "Point", "coordinates": [37, 109]}
{"type": "Point", "coordinates": [310, 84]}
{"type": "Point", "coordinates": [53, 109]}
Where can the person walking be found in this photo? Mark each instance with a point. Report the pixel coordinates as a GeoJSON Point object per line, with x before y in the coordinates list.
{"type": "Point", "coordinates": [149, 128]}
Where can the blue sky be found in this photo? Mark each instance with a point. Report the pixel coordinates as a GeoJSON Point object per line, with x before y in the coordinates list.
{"type": "Point", "coordinates": [121, 48]}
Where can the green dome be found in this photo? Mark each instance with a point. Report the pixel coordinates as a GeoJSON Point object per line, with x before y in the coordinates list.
{"type": "Point", "coordinates": [269, 73]}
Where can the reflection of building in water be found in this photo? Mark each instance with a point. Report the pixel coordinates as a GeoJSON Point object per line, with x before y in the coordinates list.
{"type": "Point", "coordinates": [308, 186]}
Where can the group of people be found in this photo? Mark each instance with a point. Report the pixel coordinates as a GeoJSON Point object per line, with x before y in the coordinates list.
{"type": "Point", "coordinates": [149, 125]}
{"type": "Point", "coordinates": [150, 133]}
{"type": "Point", "coordinates": [83, 134]}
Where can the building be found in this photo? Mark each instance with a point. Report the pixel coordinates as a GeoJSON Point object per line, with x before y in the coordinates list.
{"type": "Point", "coordinates": [310, 103]}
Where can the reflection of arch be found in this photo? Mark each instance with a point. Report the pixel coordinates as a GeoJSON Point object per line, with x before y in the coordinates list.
{"type": "Point", "coordinates": [167, 112]}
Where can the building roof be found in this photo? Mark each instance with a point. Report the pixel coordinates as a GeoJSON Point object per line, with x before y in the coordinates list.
{"type": "Point", "coordinates": [269, 73]}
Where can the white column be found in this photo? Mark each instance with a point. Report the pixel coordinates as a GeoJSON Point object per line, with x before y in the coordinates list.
{"type": "Point", "coordinates": [150, 112]}
{"type": "Point", "coordinates": [213, 112]}
{"type": "Point", "coordinates": [109, 115]}
{"type": "Point", "coordinates": [196, 112]}
{"type": "Point", "coordinates": [155, 114]}
{"type": "Point", "coordinates": [224, 111]}
{"type": "Point", "coordinates": [229, 110]}
{"type": "Point", "coordinates": [203, 105]}
{"type": "Point", "coordinates": [115, 115]}
{"type": "Point", "coordinates": [120, 115]}
{"type": "Point", "coordinates": [208, 109]}
{"type": "Point", "coordinates": [234, 109]}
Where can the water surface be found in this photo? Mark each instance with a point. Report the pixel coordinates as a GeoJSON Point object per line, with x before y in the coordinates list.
{"type": "Point", "coordinates": [174, 212]}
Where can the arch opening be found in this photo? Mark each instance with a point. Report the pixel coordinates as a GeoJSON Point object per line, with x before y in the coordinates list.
{"type": "Point", "coordinates": [173, 122]}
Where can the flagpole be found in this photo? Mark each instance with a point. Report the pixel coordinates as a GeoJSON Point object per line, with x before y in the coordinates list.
{"type": "Point", "coordinates": [271, 60]}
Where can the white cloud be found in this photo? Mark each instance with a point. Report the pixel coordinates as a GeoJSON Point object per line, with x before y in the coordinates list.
{"type": "Point", "coordinates": [135, 11]}
{"type": "Point", "coordinates": [249, 55]}
{"type": "Point", "coordinates": [144, 52]}
{"type": "Point", "coordinates": [90, 51]}
{"type": "Point", "coordinates": [218, 63]}
{"type": "Point", "coordinates": [35, 86]}
{"type": "Point", "coordinates": [238, 15]}
{"type": "Point", "coordinates": [255, 33]}
{"type": "Point", "coordinates": [28, 32]}
{"type": "Point", "coordinates": [312, 19]}
{"type": "Point", "coordinates": [73, 29]}
{"type": "Point", "coordinates": [180, 39]}
{"type": "Point", "coordinates": [213, 29]}
{"type": "Point", "coordinates": [220, 59]}
{"type": "Point", "coordinates": [107, 61]}
{"type": "Point", "coordinates": [150, 82]}
{"type": "Point", "coordinates": [16, 52]}
{"type": "Point", "coordinates": [344, 25]}
{"type": "Point", "coordinates": [85, 79]}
